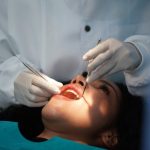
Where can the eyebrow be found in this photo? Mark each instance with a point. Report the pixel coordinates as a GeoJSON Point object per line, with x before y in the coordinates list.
{"type": "Point", "coordinates": [110, 86]}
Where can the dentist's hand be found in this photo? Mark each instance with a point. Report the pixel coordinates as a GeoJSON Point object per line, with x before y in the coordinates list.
{"type": "Point", "coordinates": [111, 56]}
{"type": "Point", "coordinates": [33, 91]}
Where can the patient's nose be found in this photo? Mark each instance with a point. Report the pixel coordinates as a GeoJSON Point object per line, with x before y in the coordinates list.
{"type": "Point", "coordinates": [80, 80]}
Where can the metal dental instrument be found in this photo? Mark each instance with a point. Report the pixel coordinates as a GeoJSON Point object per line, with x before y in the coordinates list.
{"type": "Point", "coordinates": [14, 52]}
{"type": "Point", "coordinates": [33, 70]}
{"type": "Point", "coordinates": [88, 72]}
{"type": "Point", "coordinates": [84, 88]}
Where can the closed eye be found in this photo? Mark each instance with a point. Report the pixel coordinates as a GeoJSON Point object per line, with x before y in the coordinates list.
{"type": "Point", "coordinates": [104, 88]}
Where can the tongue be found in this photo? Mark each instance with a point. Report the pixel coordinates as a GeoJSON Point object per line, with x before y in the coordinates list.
{"type": "Point", "coordinates": [69, 95]}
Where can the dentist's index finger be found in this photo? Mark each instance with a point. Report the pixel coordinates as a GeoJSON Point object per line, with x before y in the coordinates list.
{"type": "Point", "coordinates": [49, 87]}
{"type": "Point", "coordinates": [99, 60]}
{"type": "Point", "coordinates": [92, 53]}
{"type": "Point", "coordinates": [52, 81]}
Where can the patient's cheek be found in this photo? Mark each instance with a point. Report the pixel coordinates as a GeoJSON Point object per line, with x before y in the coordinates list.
{"type": "Point", "coordinates": [104, 109]}
{"type": "Point", "coordinates": [54, 109]}
{"type": "Point", "coordinates": [49, 113]}
{"type": "Point", "coordinates": [98, 103]}
{"type": "Point", "coordinates": [45, 113]}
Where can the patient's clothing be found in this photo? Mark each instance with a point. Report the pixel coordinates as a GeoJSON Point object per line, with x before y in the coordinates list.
{"type": "Point", "coordinates": [10, 138]}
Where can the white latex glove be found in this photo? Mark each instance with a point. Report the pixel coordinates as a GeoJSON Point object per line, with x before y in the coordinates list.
{"type": "Point", "coordinates": [33, 91]}
{"type": "Point", "coordinates": [109, 57]}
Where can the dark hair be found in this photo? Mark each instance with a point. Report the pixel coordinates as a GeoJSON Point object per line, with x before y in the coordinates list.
{"type": "Point", "coordinates": [28, 118]}
{"type": "Point", "coordinates": [129, 121]}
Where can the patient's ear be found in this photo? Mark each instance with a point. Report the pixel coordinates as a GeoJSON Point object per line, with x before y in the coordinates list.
{"type": "Point", "coordinates": [108, 138]}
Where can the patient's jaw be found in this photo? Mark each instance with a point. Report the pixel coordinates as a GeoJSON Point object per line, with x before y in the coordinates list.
{"type": "Point", "coordinates": [82, 118]}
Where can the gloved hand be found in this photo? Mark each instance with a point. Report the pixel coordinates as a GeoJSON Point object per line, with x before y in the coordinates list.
{"type": "Point", "coordinates": [33, 91]}
{"type": "Point", "coordinates": [111, 56]}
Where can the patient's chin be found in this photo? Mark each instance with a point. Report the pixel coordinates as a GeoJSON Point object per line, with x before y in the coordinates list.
{"type": "Point", "coordinates": [52, 112]}
{"type": "Point", "coordinates": [49, 112]}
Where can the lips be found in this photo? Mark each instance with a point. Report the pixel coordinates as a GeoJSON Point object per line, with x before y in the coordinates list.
{"type": "Point", "coordinates": [71, 91]}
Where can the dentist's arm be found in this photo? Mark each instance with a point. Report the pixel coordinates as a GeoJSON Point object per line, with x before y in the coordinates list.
{"type": "Point", "coordinates": [111, 56]}
{"type": "Point", "coordinates": [138, 80]}
{"type": "Point", "coordinates": [19, 86]}
{"type": "Point", "coordinates": [131, 57]}
{"type": "Point", "coordinates": [10, 67]}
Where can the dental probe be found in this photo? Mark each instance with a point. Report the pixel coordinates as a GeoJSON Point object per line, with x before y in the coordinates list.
{"type": "Point", "coordinates": [84, 88]}
{"type": "Point", "coordinates": [14, 51]}
{"type": "Point", "coordinates": [88, 72]}
{"type": "Point", "coordinates": [33, 70]}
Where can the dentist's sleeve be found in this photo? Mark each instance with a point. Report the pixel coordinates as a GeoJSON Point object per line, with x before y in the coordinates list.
{"type": "Point", "coordinates": [10, 67]}
{"type": "Point", "coordinates": [138, 80]}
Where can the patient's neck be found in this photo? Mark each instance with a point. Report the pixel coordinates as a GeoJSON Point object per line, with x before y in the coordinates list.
{"type": "Point", "coordinates": [48, 134]}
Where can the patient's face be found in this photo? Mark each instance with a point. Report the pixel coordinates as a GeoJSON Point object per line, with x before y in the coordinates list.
{"type": "Point", "coordinates": [70, 112]}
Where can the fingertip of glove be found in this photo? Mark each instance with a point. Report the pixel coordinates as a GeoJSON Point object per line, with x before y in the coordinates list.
{"type": "Point", "coordinates": [56, 91]}
{"type": "Point", "coordinates": [85, 57]}
{"type": "Point", "coordinates": [88, 80]}
{"type": "Point", "coordinates": [60, 84]}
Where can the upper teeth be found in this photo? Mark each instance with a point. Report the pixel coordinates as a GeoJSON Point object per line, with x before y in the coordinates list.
{"type": "Point", "coordinates": [71, 91]}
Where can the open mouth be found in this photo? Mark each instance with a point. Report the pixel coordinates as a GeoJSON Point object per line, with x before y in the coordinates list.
{"type": "Point", "coordinates": [71, 92]}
